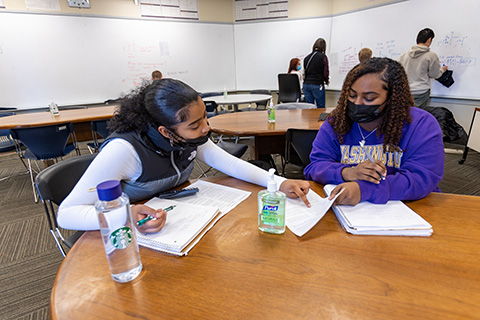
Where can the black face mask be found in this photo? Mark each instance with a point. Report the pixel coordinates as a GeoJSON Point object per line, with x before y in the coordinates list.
{"type": "Point", "coordinates": [363, 113]}
{"type": "Point", "coordinates": [190, 142]}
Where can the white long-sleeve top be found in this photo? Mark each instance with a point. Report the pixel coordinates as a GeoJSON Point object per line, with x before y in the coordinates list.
{"type": "Point", "coordinates": [77, 211]}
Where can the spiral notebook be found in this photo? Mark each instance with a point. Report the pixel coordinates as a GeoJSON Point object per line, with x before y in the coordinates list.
{"type": "Point", "coordinates": [185, 223]}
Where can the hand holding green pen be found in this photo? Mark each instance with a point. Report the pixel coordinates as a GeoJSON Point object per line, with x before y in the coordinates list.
{"type": "Point", "coordinates": [148, 218]}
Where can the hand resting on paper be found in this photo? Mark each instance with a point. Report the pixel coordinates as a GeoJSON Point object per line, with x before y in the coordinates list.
{"type": "Point", "coordinates": [296, 189]}
{"type": "Point", "coordinates": [351, 194]}
{"type": "Point", "coordinates": [141, 211]}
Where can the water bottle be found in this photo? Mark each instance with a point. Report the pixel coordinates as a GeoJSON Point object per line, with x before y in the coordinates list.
{"type": "Point", "coordinates": [225, 93]}
{"type": "Point", "coordinates": [53, 108]}
{"type": "Point", "coordinates": [118, 233]}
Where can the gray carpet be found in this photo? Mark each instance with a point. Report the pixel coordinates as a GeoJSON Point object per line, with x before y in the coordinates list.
{"type": "Point", "coordinates": [28, 255]}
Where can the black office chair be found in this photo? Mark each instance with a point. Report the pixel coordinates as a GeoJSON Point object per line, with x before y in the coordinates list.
{"type": "Point", "coordinates": [54, 184]}
{"type": "Point", "coordinates": [210, 105]}
{"type": "Point", "coordinates": [44, 143]}
{"type": "Point", "coordinates": [295, 105]}
{"type": "Point", "coordinates": [262, 103]}
{"type": "Point", "coordinates": [298, 146]}
{"type": "Point", "coordinates": [99, 128]}
{"type": "Point", "coordinates": [288, 88]}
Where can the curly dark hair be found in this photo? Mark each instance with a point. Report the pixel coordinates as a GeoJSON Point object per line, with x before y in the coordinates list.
{"type": "Point", "coordinates": [397, 108]}
{"type": "Point", "coordinates": [161, 103]}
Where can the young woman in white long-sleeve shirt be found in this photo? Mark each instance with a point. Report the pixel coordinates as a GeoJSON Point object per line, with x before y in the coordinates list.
{"type": "Point", "coordinates": [157, 133]}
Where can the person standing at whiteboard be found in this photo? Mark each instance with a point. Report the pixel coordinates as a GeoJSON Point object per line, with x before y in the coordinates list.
{"type": "Point", "coordinates": [422, 65]}
{"type": "Point", "coordinates": [296, 67]}
{"type": "Point", "coordinates": [316, 74]}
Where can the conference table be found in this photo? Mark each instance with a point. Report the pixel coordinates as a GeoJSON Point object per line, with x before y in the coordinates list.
{"type": "Point", "coordinates": [269, 138]}
{"type": "Point", "coordinates": [80, 117]}
{"type": "Point", "coordinates": [236, 99]}
{"type": "Point", "coordinates": [237, 272]}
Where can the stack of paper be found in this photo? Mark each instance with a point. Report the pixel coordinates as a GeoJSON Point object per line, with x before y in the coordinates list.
{"type": "Point", "coordinates": [192, 217]}
{"type": "Point", "coordinates": [393, 218]}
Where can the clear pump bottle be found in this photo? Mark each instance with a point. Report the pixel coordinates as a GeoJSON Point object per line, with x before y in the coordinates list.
{"type": "Point", "coordinates": [118, 233]}
{"type": "Point", "coordinates": [271, 207]}
{"type": "Point", "coordinates": [271, 112]}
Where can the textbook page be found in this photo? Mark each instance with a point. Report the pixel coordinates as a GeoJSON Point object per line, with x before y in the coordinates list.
{"type": "Point", "coordinates": [216, 195]}
{"type": "Point", "coordinates": [300, 218]}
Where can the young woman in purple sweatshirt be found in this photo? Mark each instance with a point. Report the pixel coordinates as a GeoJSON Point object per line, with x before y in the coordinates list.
{"type": "Point", "coordinates": [374, 145]}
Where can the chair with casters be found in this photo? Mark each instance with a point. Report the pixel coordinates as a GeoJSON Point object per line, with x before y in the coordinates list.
{"type": "Point", "coordinates": [262, 103]}
{"type": "Point", "coordinates": [44, 143]}
{"type": "Point", "coordinates": [99, 128]}
{"type": "Point", "coordinates": [210, 105]}
{"type": "Point", "coordinates": [288, 88]}
{"type": "Point", "coordinates": [295, 105]}
{"type": "Point", "coordinates": [298, 146]}
{"type": "Point", "coordinates": [53, 185]}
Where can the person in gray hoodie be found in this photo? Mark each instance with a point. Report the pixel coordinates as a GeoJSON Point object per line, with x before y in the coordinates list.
{"type": "Point", "coordinates": [421, 66]}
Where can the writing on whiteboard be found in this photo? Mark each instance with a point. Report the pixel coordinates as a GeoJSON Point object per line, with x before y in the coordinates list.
{"type": "Point", "coordinates": [458, 60]}
{"type": "Point", "coordinates": [451, 40]}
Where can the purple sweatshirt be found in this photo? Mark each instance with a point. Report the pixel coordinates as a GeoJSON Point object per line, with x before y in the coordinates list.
{"type": "Point", "coordinates": [411, 174]}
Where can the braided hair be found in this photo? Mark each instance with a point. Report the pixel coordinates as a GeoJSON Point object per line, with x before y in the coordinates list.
{"type": "Point", "coordinates": [399, 101]}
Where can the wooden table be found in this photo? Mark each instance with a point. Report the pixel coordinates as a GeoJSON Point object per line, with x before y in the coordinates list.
{"type": "Point", "coordinates": [80, 117]}
{"type": "Point", "coordinates": [238, 272]}
{"type": "Point", "coordinates": [269, 138]}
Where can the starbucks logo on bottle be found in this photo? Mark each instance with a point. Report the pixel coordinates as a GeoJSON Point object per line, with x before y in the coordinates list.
{"type": "Point", "coordinates": [121, 238]}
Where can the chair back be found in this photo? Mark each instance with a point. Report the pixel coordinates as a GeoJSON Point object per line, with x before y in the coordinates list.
{"type": "Point", "coordinates": [263, 102]}
{"type": "Point", "coordinates": [301, 141]}
{"type": "Point", "coordinates": [288, 88]}
{"type": "Point", "coordinates": [55, 183]}
{"type": "Point", "coordinates": [100, 127]}
{"type": "Point", "coordinates": [210, 105]}
{"type": "Point", "coordinates": [6, 142]}
{"type": "Point", "coordinates": [46, 142]}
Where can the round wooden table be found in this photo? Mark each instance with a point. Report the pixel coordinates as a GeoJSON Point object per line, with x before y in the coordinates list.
{"type": "Point", "coordinates": [269, 138]}
{"type": "Point", "coordinates": [237, 272]}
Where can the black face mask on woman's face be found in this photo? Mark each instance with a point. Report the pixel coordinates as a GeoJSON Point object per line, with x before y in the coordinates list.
{"type": "Point", "coordinates": [190, 142]}
{"type": "Point", "coordinates": [362, 112]}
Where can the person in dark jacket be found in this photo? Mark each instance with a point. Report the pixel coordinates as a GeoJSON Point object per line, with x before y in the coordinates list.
{"type": "Point", "coordinates": [316, 74]}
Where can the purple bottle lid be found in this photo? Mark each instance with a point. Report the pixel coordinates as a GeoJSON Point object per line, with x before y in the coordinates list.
{"type": "Point", "coordinates": [109, 190]}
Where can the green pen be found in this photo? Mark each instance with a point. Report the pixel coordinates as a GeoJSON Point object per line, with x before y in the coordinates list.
{"type": "Point", "coordinates": [148, 218]}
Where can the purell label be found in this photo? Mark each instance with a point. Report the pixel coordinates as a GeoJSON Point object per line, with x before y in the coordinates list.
{"type": "Point", "coordinates": [270, 208]}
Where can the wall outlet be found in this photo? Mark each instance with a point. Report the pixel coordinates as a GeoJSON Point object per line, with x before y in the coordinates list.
{"type": "Point", "coordinates": [79, 3]}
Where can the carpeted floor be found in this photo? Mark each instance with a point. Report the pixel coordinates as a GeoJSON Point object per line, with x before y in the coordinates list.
{"type": "Point", "coordinates": [29, 258]}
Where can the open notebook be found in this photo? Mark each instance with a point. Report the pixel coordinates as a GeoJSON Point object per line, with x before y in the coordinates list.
{"type": "Point", "coordinates": [184, 223]}
{"type": "Point", "coordinates": [393, 218]}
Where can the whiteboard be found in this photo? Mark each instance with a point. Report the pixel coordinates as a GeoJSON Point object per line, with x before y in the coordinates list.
{"type": "Point", "coordinates": [80, 60]}
{"type": "Point", "coordinates": [392, 29]}
{"type": "Point", "coordinates": [264, 49]}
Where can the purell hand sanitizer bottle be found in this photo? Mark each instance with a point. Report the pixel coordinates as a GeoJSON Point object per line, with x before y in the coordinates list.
{"type": "Point", "coordinates": [118, 233]}
{"type": "Point", "coordinates": [271, 112]}
{"type": "Point", "coordinates": [271, 207]}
